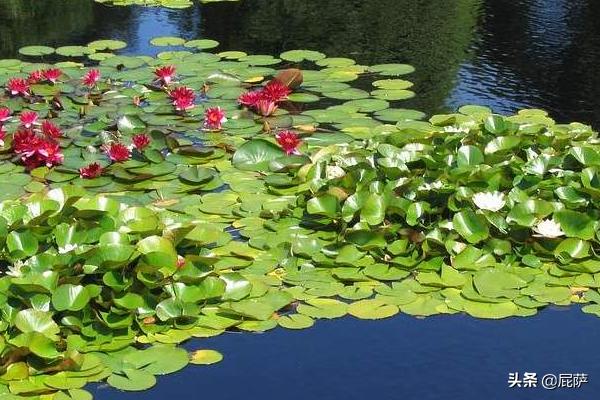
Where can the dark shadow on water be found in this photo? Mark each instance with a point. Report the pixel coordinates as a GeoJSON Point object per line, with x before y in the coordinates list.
{"type": "Point", "coordinates": [436, 358]}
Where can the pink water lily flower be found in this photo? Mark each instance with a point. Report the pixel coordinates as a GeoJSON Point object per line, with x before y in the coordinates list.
{"type": "Point", "coordinates": [117, 152]}
{"type": "Point", "coordinates": [17, 87]}
{"type": "Point", "coordinates": [249, 99]}
{"type": "Point", "coordinates": [35, 77]}
{"type": "Point", "coordinates": [51, 130]}
{"type": "Point", "coordinates": [28, 119]}
{"type": "Point", "coordinates": [266, 107]}
{"type": "Point", "coordinates": [289, 142]}
{"type": "Point", "coordinates": [165, 74]}
{"type": "Point", "coordinates": [91, 78]}
{"type": "Point", "coordinates": [91, 171]}
{"type": "Point", "coordinates": [183, 98]}
{"type": "Point", "coordinates": [36, 151]}
{"type": "Point", "coordinates": [5, 114]}
{"type": "Point", "coordinates": [140, 141]}
{"type": "Point", "coordinates": [52, 74]}
{"type": "Point", "coordinates": [276, 91]}
{"type": "Point", "coordinates": [214, 118]}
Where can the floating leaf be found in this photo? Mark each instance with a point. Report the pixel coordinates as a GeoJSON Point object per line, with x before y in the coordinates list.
{"type": "Point", "coordinates": [205, 357]}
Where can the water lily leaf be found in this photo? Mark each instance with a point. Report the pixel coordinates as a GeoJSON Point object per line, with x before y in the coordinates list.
{"type": "Point", "coordinates": [158, 360]}
{"type": "Point", "coordinates": [295, 321]}
{"type": "Point", "coordinates": [236, 286]}
{"type": "Point", "coordinates": [471, 226]}
{"type": "Point", "coordinates": [303, 98]}
{"type": "Point", "coordinates": [31, 320]}
{"type": "Point", "coordinates": [496, 124]}
{"type": "Point", "coordinates": [107, 44]}
{"type": "Point", "coordinates": [132, 380]}
{"type": "Point", "coordinates": [158, 252]}
{"type": "Point", "coordinates": [167, 41]}
{"type": "Point", "coordinates": [469, 156]}
{"type": "Point", "coordinates": [325, 139]}
{"type": "Point", "coordinates": [202, 44]}
{"type": "Point", "coordinates": [301, 55]}
{"type": "Point", "coordinates": [196, 174]}
{"type": "Point", "coordinates": [323, 308]}
{"type": "Point", "coordinates": [38, 343]}
{"type": "Point", "coordinates": [393, 84]}
{"type": "Point", "coordinates": [174, 308]}
{"type": "Point", "coordinates": [130, 124]}
{"type": "Point", "coordinates": [373, 211]}
{"type": "Point", "coordinates": [256, 155]}
{"type": "Point", "coordinates": [576, 224]}
{"type": "Point", "coordinates": [392, 69]}
{"type": "Point", "coordinates": [399, 114]}
{"type": "Point", "coordinates": [70, 297]}
{"type": "Point", "coordinates": [36, 50]}
{"type": "Point", "coordinates": [502, 143]}
{"type": "Point", "coordinates": [74, 51]}
{"type": "Point", "coordinates": [474, 110]}
{"type": "Point", "coordinates": [21, 244]}
{"type": "Point", "coordinates": [205, 357]}
{"type": "Point", "coordinates": [496, 283]}
{"type": "Point", "coordinates": [327, 205]}
{"type": "Point", "coordinates": [372, 309]}
{"type": "Point", "coordinates": [491, 310]}
{"type": "Point", "coordinates": [63, 381]}
{"type": "Point", "coordinates": [575, 248]}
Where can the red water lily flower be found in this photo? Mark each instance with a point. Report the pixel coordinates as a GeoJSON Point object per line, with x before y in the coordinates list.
{"type": "Point", "coordinates": [266, 107]}
{"type": "Point", "coordinates": [25, 141]}
{"type": "Point", "coordinates": [165, 74]}
{"type": "Point", "coordinates": [91, 171]}
{"type": "Point", "coordinates": [51, 130]}
{"type": "Point", "coordinates": [28, 118]}
{"type": "Point", "coordinates": [52, 74]}
{"type": "Point", "coordinates": [214, 117]}
{"type": "Point", "coordinates": [36, 151]}
{"type": "Point", "coordinates": [50, 153]}
{"type": "Point", "coordinates": [17, 87]}
{"type": "Point", "coordinates": [183, 98]}
{"type": "Point", "coordinates": [289, 141]}
{"type": "Point", "coordinates": [91, 78]}
{"type": "Point", "coordinates": [276, 91]}
{"type": "Point", "coordinates": [249, 99]}
{"type": "Point", "coordinates": [35, 77]}
{"type": "Point", "coordinates": [5, 114]}
{"type": "Point", "coordinates": [141, 141]}
{"type": "Point", "coordinates": [2, 135]}
{"type": "Point", "coordinates": [264, 101]}
{"type": "Point", "coordinates": [117, 152]}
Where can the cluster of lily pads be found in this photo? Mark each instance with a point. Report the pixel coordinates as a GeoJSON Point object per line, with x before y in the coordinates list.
{"type": "Point", "coordinates": [175, 205]}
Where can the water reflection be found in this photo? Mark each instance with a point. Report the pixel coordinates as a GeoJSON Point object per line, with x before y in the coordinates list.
{"type": "Point", "coordinates": [535, 53]}
{"type": "Point", "coordinates": [503, 53]}
{"type": "Point", "coordinates": [433, 35]}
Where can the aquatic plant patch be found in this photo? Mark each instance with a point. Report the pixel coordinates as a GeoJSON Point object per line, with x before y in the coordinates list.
{"type": "Point", "coordinates": [146, 201]}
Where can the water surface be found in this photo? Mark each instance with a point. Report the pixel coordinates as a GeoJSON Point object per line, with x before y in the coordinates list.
{"type": "Point", "coordinates": [507, 54]}
{"type": "Point", "coordinates": [438, 358]}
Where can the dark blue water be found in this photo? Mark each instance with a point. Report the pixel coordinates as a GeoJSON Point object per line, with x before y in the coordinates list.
{"type": "Point", "coordinates": [437, 358]}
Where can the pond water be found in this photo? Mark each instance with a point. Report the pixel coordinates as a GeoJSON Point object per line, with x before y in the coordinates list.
{"type": "Point", "coordinates": [437, 358]}
{"type": "Point", "coordinates": [506, 54]}
{"type": "Point", "coordinates": [502, 53]}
